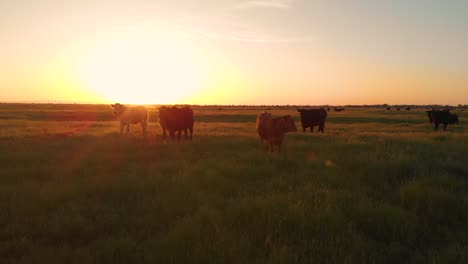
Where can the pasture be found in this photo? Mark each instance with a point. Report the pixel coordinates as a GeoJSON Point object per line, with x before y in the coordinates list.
{"type": "Point", "coordinates": [376, 187]}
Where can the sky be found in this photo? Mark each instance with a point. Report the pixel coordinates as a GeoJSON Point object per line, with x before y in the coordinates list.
{"type": "Point", "coordinates": [234, 52]}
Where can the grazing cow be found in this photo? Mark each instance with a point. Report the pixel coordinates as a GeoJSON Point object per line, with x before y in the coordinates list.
{"type": "Point", "coordinates": [441, 117]}
{"type": "Point", "coordinates": [272, 129]}
{"type": "Point", "coordinates": [338, 109]}
{"type": "Point", "coordinates": [328, 109]}
{"type": "Point", "coordinates": [388, 108]}
{"type": "Point", "coordinates": [313, 117]}
{"type": "Point", "coordinates": [408, 108]}
{"type": "Point", "coordinates": [131, 115]}
{"type": "Point", "coordinates": [176, 119]}
{"type": "Point", "coordinates": [398, 109]}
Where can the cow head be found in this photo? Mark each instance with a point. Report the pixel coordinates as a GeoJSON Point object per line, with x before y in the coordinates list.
{"type": "Point", "coordinates": [454, 119]}
{"type": "Point", "coordinates": [290, 125]}
{"type": "Point", "coordinates": [429, 114]}
{"type": "Point", "coordinates": [118, 109]}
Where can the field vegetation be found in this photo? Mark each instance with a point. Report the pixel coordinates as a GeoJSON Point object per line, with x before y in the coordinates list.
{"type": "Point", "coordinates": [377, 187]}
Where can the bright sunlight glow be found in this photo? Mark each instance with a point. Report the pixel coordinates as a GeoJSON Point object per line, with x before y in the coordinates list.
{"type": "Point", "coordinates": [139, 69]}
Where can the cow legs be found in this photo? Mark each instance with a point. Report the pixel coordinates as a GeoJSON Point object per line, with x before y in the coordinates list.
{"type": "Point", "coordinates": [164, 132]}
{"type": "Point", "coordinates": [304, 129]}
{"type": "Point", "coordinates": [121, 127]}
{"type": "Point", "coordinates": [436, 126]}
{"type": "Point", "coordinates": [171, 133]}
{"type": "Point", "coordinates": [144, 126]}
{"type": "Point", "coordinates": [272, 147]}
{"type": "Point", "coordinates": [128, 128]}
{"type": "Point", "coordinates": [191, 132]}
{"type": "Point", "coordinates": [185, 133]}
{"type": "Point", "coordinates": [178, 135]}
{"type": "Point", "coordinates": [445, 126]}
{"type": "Point", "coordinates": [321, 128]}
{"type": "Point", "coordinates": [311, 129]}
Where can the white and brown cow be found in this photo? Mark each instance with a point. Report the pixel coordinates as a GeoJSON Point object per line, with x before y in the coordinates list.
{"type": "Point", "coordinates": [131, 115]}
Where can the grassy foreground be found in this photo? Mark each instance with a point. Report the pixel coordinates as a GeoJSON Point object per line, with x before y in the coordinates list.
{"type": "Point", "coordinates": [377, 187]}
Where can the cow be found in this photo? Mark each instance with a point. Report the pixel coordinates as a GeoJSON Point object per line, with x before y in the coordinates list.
{"type": "Point", "coordinates": [176, 119]}
{"type": "Point", "coordinates": [398, 109]}
{"type": "Point", "coordinates": [328, 109]}
{"type": "Point", "coordinates": [338, 109]}
{"type": "Point", "coordinates": [128, 115]}
{"type": "Point", "coordinates": [271, 129]}
{"type": "Point", "coordinates": [388, 109]}
{"type": "Point", "coordinates": [408, 108]}
{"type": "Point", "coordinates": [437, 117]}
{"type": "Point", "coordinates": [313, 117]}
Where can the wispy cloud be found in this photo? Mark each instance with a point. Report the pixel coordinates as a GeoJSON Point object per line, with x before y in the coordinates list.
{"type": "Point", "coordinates": [230, 27]}
{"type": "Point", "coordinates": [281, 4]}
{"type": "Point", "coordinates": [243, 37]}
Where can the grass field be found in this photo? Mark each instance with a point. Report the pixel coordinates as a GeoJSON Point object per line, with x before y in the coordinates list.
{"type": "Point", "coordinates": [376, 187]}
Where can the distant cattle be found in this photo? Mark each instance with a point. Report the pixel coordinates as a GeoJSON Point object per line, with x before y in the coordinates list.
{"type": "Point", "coordinates": [313, 117]}
{"type": "Point", "coordinates": [408, 108]}
{"type": "Point", "coordinates": [271, 129]}
{"type": "Point", "coordinates": [338, 109]}
{"type": "Point", "coordinates": [398, 109]}
{"type": "Point", "coordinates": [177, 120]}
{"type": "Point", "coordinates": [438, 117]}
{"type": "Point", "coordinates": [388, 108]}
{"type": "Point", "coordinates": [328, 109]}
{"type": "Point", "coordinates": [128, 115]}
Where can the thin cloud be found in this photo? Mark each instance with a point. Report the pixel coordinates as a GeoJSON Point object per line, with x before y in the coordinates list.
{"type": "Point", "coordinates": [280, 4]}
{"type": "Point", "coordinates": [247, 37]}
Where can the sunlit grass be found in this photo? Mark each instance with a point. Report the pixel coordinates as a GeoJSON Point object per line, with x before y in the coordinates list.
{"type": "Point", "coordinates": [368, 190]}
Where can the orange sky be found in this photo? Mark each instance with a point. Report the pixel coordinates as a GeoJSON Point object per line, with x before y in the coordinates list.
{"type": "Point", "coordinates": [234, 52]}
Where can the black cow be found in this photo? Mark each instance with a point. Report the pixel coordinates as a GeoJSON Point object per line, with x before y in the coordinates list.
{"type": "Point", "coordinates": [313, 117]}
{"type": "Point", "coordinates": [441, 117]}
{"type": "Point", "coordinates": [338, 109]}
{"type": "Point", "coordinates": [175, 120]}
{"type": "Point", "coordinates": [388, 109]}
{"type": "Point", "coordinates": [408, 108]}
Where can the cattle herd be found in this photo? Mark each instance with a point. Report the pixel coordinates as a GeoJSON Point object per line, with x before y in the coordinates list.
{"type": "Point", "coordinates": [271, 129]}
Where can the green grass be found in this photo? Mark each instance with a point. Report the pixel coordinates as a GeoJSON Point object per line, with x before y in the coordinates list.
{"type": "Point", "coordinates": [375, 188]}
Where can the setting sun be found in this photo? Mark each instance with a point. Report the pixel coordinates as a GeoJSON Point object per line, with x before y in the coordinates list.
{"type": "Point", "coordinates": [138, 69]}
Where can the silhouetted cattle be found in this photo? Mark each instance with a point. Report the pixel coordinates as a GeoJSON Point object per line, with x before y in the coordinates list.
{"type": "Point", "coordinates": [131, 115]}
{"type": "Point", "coordinates": [338, 109]}
{"type": "Point", "coordinates": [328, 109]}
{"type": "Point", "coordinates": [271, 129]}
{"type": "Point", "coordinates": [398, 109]}
{"type": "Point", "coordinates": [313, 117]}
{"type": "Point", "coordinates": [388, 108]}
{"type": "Point", "coordinates": [441, 117]}
{"type": "Point", "coordinates": [408, 108]}
{"type": "Point", "coordinates": [177, 120]}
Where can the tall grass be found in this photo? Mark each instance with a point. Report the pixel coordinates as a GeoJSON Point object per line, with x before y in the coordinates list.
{"type": "Point", "coordinates": [368, 190]}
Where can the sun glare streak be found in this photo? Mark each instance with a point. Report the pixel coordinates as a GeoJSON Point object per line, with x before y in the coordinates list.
{"type": "Point", "coordinates": [142, 70]}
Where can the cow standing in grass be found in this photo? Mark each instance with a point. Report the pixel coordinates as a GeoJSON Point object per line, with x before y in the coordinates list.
{"type": "Point", "coordinates": [128, 115]}
{"type": "Point", "coordinates": [271, 129]}
{"type": "Point", "coordinates": [313, 117]}
{"type": "Point", "coordinates": [438, 117]}
{"type": "Point", "coordinates": [176, 119]}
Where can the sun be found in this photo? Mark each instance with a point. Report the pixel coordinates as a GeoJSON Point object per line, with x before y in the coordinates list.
{"type": "Point", "coordinates": [142, 70]}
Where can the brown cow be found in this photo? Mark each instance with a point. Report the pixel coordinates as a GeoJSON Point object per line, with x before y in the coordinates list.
{"type": "Point", "coordinates": [177, 120]}
{"type": "Point", "coordinates": [131, 115]}
{"type": "Point", "coordinates": [272, 129]}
